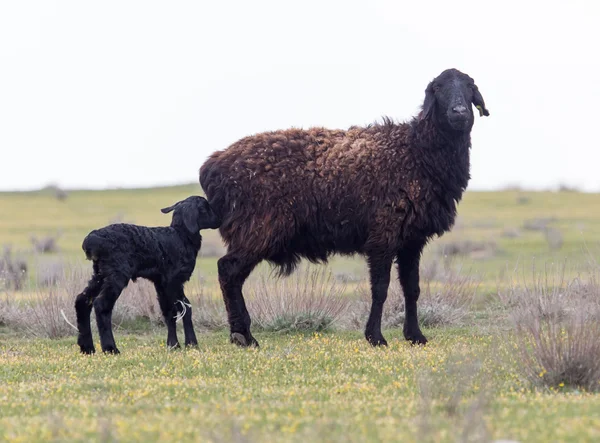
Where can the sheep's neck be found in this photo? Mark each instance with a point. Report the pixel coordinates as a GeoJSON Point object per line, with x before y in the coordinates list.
{"type": "Point", "coordinates": [444, 158]}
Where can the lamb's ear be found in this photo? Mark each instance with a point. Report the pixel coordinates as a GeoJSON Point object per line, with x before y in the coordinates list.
{"type": "Point", "coordinates": [170, 208]}
{"type": "Point", "coordinates": [479, 103]}
{"type": "Point", "coordinates": [210, 220]}
{"type": "Point", "coordinates": [429, 103]}
{"type": "Point", "coordinates": [191, 218]}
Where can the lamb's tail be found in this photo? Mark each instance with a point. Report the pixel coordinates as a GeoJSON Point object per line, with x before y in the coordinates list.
{"type": "Point", "coordinates": [92, 245]}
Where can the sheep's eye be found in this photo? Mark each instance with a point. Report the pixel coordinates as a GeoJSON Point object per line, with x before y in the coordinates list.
{"type": "Point", "coordinates": [436, 88]}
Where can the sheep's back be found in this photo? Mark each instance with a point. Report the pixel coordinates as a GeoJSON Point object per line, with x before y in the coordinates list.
{"type": "Point", "coordinates": [276, 184]}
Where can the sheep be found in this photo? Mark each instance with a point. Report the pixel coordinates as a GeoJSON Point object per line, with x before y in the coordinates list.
{"type": "Point", "coordinates": [382, 191]}
{"type": "Point", "coordinates": [164, 255]}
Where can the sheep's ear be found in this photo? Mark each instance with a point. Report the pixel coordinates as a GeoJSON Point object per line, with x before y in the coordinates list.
{"type": "Point", "coordinates": [479, 103]}
{"type": "Point", "coordinates": [429, 103]}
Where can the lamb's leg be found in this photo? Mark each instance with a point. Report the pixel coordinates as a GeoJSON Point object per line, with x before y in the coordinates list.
{"type": "Point", "coordinates": [103, 307]}
{"type": "Point", "coordinates": [408, 271]}
{"type": "Point", "coordinates": [83, 309]}
{"type": "Point", "coordinates": [234, 269]}
{"type": "Point", "coordinates": [188, 326]}
{"type": "Point", "coordinates": [169, 307]}
{"type": "Point", "coordinates": [379, 270]}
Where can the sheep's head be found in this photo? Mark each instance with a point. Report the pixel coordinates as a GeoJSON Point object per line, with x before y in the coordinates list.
{"type": "Point", "coordinates": [194, 213]}
{"type": "Point", "coordinates": [448, 100]}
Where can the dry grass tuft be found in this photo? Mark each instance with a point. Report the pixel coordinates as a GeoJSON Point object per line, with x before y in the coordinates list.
{"type": "Point", "coordinates": [310, 300]}
{"type": "Point", "coordinates": [557, 325]}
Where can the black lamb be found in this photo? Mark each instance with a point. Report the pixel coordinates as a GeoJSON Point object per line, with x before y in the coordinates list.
{"type": "Point", "coordinates": [381, 191]}
{"type": "Point", "coordinates": [164, 255]}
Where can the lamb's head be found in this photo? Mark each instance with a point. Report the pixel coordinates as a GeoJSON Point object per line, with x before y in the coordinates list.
{"type": "Point", "coordinates": [194, 213]}
{"type": "Point", "coordinates": [448, 100]}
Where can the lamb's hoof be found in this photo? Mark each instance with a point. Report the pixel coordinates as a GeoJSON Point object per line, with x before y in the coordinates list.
{"type": "Point", "coordinates": [193, 344]}
{"type": "Point", "coordinates": [173, 346]}
{"type": "Point", "coordinates": [240, 340]}
{"type": "Point", "coordinates": [377, 340]}
{"type": "Point", "coordinates": [111, 350]}
{"type": "Point", "coordinates": [415, 338]}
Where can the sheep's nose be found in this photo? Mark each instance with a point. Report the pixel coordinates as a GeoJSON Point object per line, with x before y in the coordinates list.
{"type": "Point", "coordinates": [460, 110]}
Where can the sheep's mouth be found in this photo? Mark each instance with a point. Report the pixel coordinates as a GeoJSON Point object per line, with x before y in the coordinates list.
{"type": "Point", "coordinates": [458, 123]}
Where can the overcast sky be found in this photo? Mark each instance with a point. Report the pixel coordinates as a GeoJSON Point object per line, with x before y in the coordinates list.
{"type": "Point", "coordinates": [139, 93]}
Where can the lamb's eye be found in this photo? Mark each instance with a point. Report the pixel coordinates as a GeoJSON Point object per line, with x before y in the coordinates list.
{"type": "Point", "coordinates": [436, 88]}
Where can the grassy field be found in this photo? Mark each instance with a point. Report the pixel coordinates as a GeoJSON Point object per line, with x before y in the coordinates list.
{"type": "Point", "coordinates": [467, 384]}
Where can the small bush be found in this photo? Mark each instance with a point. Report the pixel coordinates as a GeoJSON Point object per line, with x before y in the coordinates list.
{"type": "Point", "coordinates": [310, 300]}
{"type": "Point", "coordinates": [558, 331]}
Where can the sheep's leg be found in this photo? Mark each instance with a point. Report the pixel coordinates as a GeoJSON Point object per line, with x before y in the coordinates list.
{"type": "Point", "coordinates": [169, 307]}
{"type": "Point", "coordinates": [408, 271]}
{"type": "Point", "coordinates": [379, 270]}
{"type": "Point", "coordinates": [188, 326]}
{"type": "Point", "coordinates": [83, 309]}
{"type": "Point", "coordinates": [103, 307]}
{"type": "Point", "coordinates": [233, 272]}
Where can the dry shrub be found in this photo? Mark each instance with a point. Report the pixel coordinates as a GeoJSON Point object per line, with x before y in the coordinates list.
{"type": "Point", "coordinates": [41, 314]}
{"type": "Point", "coordinates": [470, 248]}
{"type": "Point", "coordinates": [138, 301]}
{"type": "Point", "coordinates": [523, 199]}
{"type": "Point", "coordinates": [554, 237]}
{"type": "Point", "coordinates": [310, 300]}
{"type": "Point", "coordinates": [445, 300]}
{"type": "Point", "coordinates": [45, 245]}
{"type": "Point", "coordinates": [538, 224]}
{"type": "Point", "coordinates": [511, 233]}
{"type": "Point", "coordinates": [59, 193]}
{"type": "Point", "coordinates": [4, 310]}
{"type": "Point", "coordinates": [13, 270]}
{"type": "Point", "coordinates": [208, 310]}
{"type": "Point", "coordinates": [212, 248]}
{"type": "Point", "coordinates": [558, 330]}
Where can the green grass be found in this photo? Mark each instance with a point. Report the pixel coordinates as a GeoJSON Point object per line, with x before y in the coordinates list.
{"type": "Point", "coordinates": [326, 387]}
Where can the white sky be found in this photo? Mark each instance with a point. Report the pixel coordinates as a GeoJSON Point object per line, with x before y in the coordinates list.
{"type": "Point", "coordinates": [139, 93]}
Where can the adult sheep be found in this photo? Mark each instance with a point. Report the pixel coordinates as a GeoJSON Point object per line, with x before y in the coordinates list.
{"type": "Point", "coordinates": [381, 191]}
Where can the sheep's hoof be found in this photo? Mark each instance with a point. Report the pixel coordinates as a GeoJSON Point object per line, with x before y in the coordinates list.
{"type": "Point", "coordinates": [239, 339]}
{"type": "Point", "coordinates": [173, 347]}
{"type": "Point", "coordinates": [377, 341]}
{"type": "Point", "coordinates": [193, 344]}
{"type": "Point", "coordinates": [87, 350]}
{"type": "Point", "coordinates": [111, 350]}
